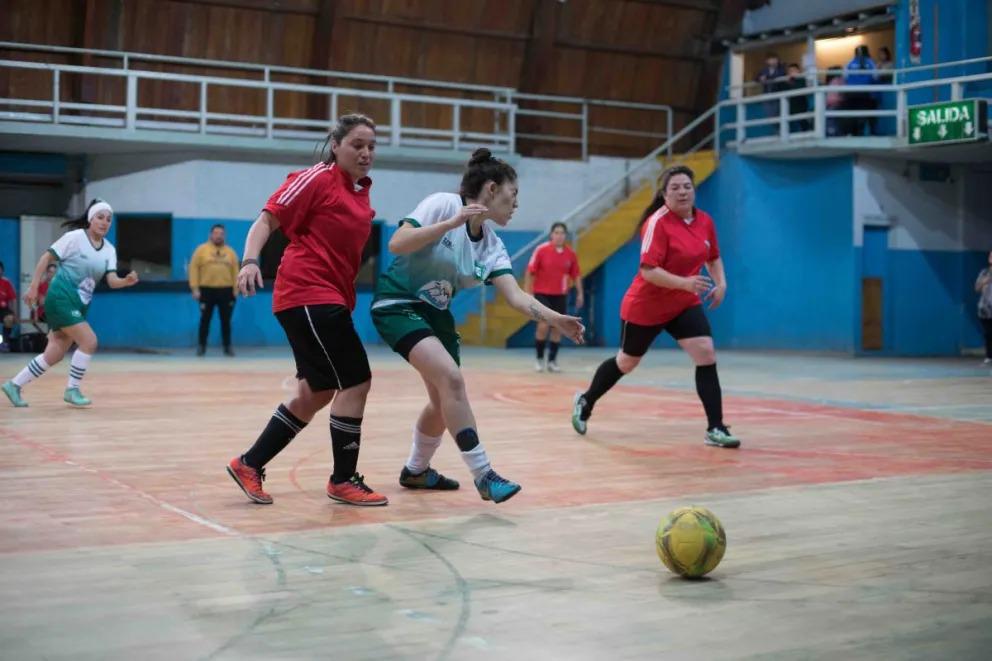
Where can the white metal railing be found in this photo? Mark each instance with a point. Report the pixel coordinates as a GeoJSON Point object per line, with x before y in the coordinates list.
{"type": "Point", "coordinates": [578, 111]}
{"type": "Point", "coordinates": [767, 118]}
{"type": "Point", "coordinates": [131, 115]}
{"type": "Point", "coordinates": [575, 123]}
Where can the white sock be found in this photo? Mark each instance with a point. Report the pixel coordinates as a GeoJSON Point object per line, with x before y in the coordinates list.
{"type": "Point", "coordinates": [34, 369]}
{"type": "Point", "coordinates": [421, 451]}
{"type": "Point", "coordinates": [477, 461]}
{"type": "Point", "coordinates": [77, 368]}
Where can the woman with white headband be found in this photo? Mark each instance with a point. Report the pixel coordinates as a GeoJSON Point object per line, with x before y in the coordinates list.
{"type": "Point", "coordinates": [84, 257]}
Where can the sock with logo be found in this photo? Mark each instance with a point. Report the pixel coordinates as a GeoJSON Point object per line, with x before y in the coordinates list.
{"type": "Point", "coordinates": [346, 440]}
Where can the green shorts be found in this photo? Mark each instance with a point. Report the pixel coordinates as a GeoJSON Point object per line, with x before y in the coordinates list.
{"type": "Point", "coordinates": [63, 309]}
{"type": "Point", "coordinates": [403, 325]}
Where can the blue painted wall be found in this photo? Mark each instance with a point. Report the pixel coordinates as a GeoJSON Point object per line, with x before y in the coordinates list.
{"type": "Point", "coordinates": [169, 319]}
{"type": "Point", "coordinates": [786, 237]}
{"type": "Point", "coordinates": [951, 30]}
{"type": "Point", "coordinates": [10, 250]}
{"type": "Point", "coordinates": [929, 303]}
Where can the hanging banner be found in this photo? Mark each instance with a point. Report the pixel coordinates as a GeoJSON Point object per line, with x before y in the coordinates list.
{"type": "Point", "coordinates": [915, 32]}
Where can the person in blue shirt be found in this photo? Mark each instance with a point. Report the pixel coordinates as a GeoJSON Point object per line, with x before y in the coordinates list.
{"type": "Point", "coordinates": [861, 71]}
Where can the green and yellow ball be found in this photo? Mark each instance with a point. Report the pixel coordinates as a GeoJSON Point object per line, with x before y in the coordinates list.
{"type": "Point", "coordinates": [691, 541]}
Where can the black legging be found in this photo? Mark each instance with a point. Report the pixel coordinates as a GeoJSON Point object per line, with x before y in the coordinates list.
{"type": "Point", "coordinates": [987, 330]}
{"type": "Point", "coordinates": [223, 299]}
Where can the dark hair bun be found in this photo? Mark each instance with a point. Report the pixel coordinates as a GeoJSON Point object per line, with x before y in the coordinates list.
{"type": "Point", "coordinates": [480, 155]}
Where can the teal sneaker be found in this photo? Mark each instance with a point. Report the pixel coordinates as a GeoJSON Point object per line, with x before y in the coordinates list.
{"type": "Point", "coordinates": [722, 438]}
{"type": "Point", "coordinates": [578, 408]}
{"type": "Point", "coordinates": [76, 398]}
{"type": "Point", "coordinates": [13, 392]}
{"type": "Point", "coordinates": [495, 488]}
{"type": "Point", "coordinates": [428, 479]}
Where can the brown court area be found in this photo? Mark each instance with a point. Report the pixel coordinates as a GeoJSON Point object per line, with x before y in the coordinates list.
{"type": "Point", "coordinates": [857, 514]}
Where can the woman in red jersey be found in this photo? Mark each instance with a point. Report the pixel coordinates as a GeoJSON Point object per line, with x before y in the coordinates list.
{"type": "Point", "coordinates": [553, 270]}
{"type": "Point", "coordinates": [677, 240]}
{"type": "Point", "coordinates": [324, 212]}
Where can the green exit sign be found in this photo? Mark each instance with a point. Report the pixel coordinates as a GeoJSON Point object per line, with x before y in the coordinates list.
{"type": "Point", "coordinates": [954, 121]}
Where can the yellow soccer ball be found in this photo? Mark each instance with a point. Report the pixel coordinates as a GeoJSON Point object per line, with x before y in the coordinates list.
{"type": "Point", "coordinates": [691, 541]}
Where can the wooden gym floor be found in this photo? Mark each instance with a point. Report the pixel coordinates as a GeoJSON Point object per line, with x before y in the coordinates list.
{"type": "Point", "coordinates": [857, 511]}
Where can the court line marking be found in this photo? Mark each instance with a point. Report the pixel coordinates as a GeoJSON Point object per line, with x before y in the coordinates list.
{"type": "Point", "coordinates": [56, 456]}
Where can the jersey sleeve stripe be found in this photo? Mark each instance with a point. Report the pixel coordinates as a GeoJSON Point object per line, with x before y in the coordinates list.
{"type": "Point", "coordinates": [410, 221]}
{"type": "Point", "coordinates": [649, 233]}
{"type": "Point", "coordinates": [300, 184]}
{"type": "Point", "coordinates": [296, 182]}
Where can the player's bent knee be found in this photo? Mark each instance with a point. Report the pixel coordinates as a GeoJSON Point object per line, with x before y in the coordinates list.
{"type": "Point", "coordinates": [627, 363]}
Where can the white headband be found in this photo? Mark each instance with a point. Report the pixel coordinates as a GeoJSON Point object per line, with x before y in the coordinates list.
{"type": "Point", "coordinates": [97, 208]}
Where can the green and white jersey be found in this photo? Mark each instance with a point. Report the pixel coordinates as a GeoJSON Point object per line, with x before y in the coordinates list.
{"type": "Point", "coordinates": [81, 264]}
{"type": "Point", "coordinates": [435, 273]}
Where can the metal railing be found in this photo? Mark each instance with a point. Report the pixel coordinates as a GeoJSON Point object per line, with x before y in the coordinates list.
{"type": "Point", "coordinates": [574, 120]}
{"type": "Point", "coordinates": [580, 112]}
{"type": "Point", "coordinates": [271, 125]}
{"type": "Point", "coordinates": [769, 118]}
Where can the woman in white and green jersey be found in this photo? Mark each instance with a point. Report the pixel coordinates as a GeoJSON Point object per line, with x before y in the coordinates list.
{"type": "Point", "coordinates": [84, 257]}
{"type": "Point", "coordinates": [443, 246]}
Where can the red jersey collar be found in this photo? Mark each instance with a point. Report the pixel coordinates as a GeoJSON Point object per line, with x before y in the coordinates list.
{"type": "Point", "coordinates": [359, 186]}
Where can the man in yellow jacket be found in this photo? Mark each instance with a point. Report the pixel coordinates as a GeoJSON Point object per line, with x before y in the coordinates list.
{"type": "Point", "coordinates": [213, 275]}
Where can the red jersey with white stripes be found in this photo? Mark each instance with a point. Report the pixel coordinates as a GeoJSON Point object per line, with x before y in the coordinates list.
{"type": "Point", "coordinates": [327, 218]}
{"type": "Point", "coordinates": [679, 247]}
{"type": "Point", "coordinates": [552, 268]}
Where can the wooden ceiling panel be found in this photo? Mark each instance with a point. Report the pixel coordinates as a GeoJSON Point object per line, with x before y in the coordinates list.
{"type": "Point", "coordinates": [650, 51]}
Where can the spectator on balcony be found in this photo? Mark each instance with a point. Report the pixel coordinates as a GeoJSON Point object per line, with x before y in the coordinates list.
{"type": "Point", "coordinates": [772, 79]}
{"type": "Point", "coordinates": [885, 66]}
{"type": "Point", "coordinates": [798, 104]}
{"type": "Point", "coordinates": [835, 101]}
{"type": "Point", "coordinates": [552, 271]}
{"type": "Point", "coordinates": [861, 71]}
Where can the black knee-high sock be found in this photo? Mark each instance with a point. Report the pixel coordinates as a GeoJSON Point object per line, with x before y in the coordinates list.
{"type": "Point", "coordinates": [552, 351]}
{"type": "Point", "coordinates": [708, 388]}
{"type": "Point", "coordinates": [606, 376]}
{"type": "Point", "coordinates": [346, 440]}
{"type": "Point", "coordinates": [539, 345]}
{"type": "Point", "coordinates": [282, 428]}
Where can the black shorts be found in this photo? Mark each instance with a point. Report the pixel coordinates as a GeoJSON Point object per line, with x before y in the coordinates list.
{"type": "Point", "coordinates": [635, 340]}
{"type": "Point", "coordinates": [557, 303]}
{"type": "Point", "coordinates": [328, 352]}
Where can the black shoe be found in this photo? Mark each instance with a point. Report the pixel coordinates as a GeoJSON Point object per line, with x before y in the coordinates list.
{"type": "Point", "coordinates": [429, 479]}
{"type": "Point", "coordinates": [200, 350]}
{"type": "Point", "coordinates": [228, 351]}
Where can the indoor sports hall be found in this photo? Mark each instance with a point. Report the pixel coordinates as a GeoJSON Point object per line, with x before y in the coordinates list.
{"type": "Point", "coordinates": [545, 329]}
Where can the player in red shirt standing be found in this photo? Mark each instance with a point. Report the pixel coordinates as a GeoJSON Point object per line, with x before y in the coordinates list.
{"type": "Point", "coordinates": [552, 271]}
{"type": "Point", "coordinates": [677, 240]}
{"type": "Point", "coordinates": [325, 213]}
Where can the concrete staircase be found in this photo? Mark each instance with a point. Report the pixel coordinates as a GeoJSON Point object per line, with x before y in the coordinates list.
{"type": "Point", "coordinates": [595, 244]}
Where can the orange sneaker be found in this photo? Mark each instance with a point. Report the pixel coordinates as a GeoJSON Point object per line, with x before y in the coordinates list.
{"type": "Point", "coordinates": [250, 480]}
{"type": "Point", "coordinates": [355, 492]}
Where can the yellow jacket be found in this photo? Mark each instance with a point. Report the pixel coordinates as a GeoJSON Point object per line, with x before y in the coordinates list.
{"type": "Point", "coordinates": [213, 266]}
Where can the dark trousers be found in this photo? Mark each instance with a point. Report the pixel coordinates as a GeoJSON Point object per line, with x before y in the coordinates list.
{"type": "Point", "coordinates": [987, 330]}
{"type": "Point", "coordinates": [223, 299]}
